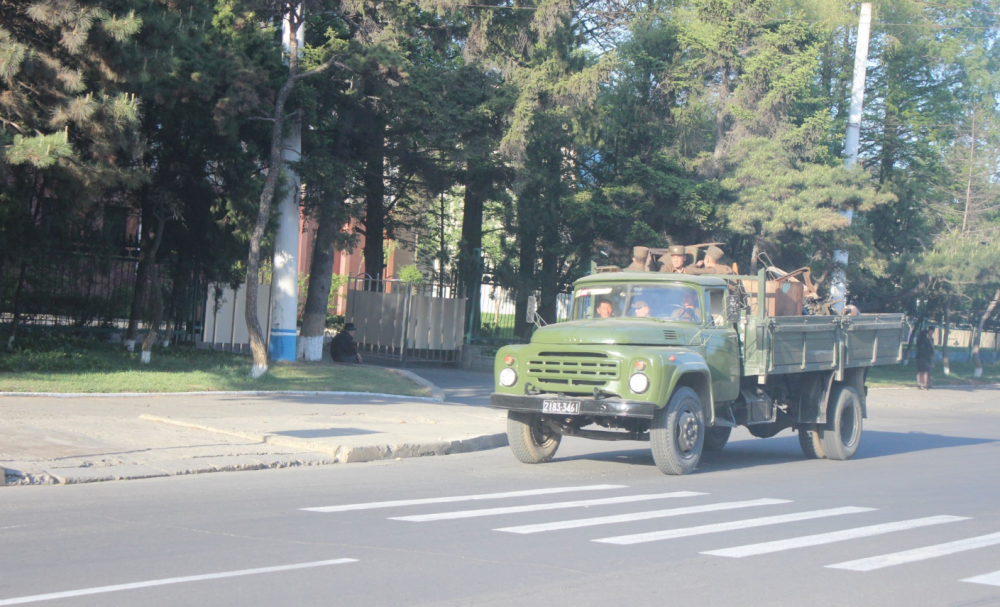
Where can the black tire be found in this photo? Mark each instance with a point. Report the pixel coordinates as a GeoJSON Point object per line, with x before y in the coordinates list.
{"type": "Point", "coordinates": [716, 438]}
{"type": "Point", "coordinates": [529, 441]}
{"type": "Point", "coordinates": [811, 441]}
{"type": "Point", "coordinates": [841, 441]}
{"type": "Point", "coordinates": [677, 434]}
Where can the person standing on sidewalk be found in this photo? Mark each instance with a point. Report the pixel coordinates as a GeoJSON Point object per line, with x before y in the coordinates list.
{"type": "Point", "coordinates": [925, 358]}
{"type": "Point", "coordinates": [342, 347]}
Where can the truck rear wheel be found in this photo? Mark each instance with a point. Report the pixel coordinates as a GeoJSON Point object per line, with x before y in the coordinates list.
{"type": "Point", "coordinates": [841, 441]}
{"type": "Point", "coordinates": [716, 437]}
{"type": "Point", "coordinates": [677, 434]}
{"type": "Point", "coordinates": [530, 441]}
{"type": "Point", "coordinates": [811, 441]}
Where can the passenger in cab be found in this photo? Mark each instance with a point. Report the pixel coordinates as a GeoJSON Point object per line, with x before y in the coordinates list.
{"type": "Point", "coordinates": [605, 309]}
{"type": "Point", "coordinates": [640, 309]}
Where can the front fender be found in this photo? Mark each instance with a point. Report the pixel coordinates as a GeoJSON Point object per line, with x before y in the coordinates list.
{"type": "Point", "coordinates": [685, 367]}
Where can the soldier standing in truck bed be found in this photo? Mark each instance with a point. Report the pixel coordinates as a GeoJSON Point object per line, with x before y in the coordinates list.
{"type": "Point", "coordinates": [639, 257]}
{"type": "Point", "coordinates": [678, 260]}
{"type": "Point", "coordinates": [712, 263]}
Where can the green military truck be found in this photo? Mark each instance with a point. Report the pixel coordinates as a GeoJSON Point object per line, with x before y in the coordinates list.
{"type": "Point", "coordinates": [680, 360]}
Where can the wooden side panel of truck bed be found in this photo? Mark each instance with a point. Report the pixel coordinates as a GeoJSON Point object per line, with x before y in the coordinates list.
{"type": "Point", "coordinates": [824, 343]}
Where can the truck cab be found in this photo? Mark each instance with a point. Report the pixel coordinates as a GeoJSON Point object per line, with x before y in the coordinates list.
{"type": "Point", "coordinates": [671, 359]}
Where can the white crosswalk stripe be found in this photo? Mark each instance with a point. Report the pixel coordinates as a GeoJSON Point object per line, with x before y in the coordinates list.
{"type": "Point", "coordinates": [442, 516]}
{"type": "Point", "coordinates": [639, 516]}
{"type": "Point", "coordinates": [654, 536]}
{"type": "Point", "coordinates": [835, 536]}
{"type": "Point", "coordinates": [990, 579]}
{"type": "Point", "coordinates": [919, 554]}
{"type": "Point", "coordinates": [462, 498]}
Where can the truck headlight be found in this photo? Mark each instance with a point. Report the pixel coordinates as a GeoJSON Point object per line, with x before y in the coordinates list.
{"type": "Point", "coordinates": [508, 377]}
{"type": "Point", "coordinates": [638, 383]}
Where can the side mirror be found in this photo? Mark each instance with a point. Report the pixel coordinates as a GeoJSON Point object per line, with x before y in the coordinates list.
{"type": "Point", "coordinates": [732, 308]}
{"type": "Point", "coordinates": [532, 309]}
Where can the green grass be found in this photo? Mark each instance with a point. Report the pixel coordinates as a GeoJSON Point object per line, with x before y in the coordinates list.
{"type": "Point", "coordinates": [961, 375]}
{"type": "Point", "coordinates": [68, 364]}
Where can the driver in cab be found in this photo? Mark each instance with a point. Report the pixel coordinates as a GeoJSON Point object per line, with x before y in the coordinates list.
{"type": "Point", "coordinates": [689, 310]}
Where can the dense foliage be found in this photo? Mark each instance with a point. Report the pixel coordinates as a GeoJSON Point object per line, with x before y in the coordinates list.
{"type": "Point", "coordinates": [526, 138]}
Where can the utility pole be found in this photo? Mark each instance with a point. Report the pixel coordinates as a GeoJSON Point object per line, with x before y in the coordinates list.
{"type": "Point", "coordinates": [968, 185]}
{"type": "Point", "coordinates": [285, 269]}
{"type": "Point", "coordinates": [838, 290]}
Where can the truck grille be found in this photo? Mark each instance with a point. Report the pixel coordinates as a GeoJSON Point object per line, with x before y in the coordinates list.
{"type": "Point", "coordinates": [573, 369]}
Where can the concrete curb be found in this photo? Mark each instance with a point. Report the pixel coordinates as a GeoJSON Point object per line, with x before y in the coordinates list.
{"type": "Point", "coordinates": [363, 453]}
{"type": "Point", "coordinates": [436, 392]}
{"type": "Point", "coordinates": [426, 399]}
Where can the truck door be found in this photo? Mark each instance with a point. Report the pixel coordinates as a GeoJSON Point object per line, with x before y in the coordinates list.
{"type": "Point", "coordinates": [722, 352]}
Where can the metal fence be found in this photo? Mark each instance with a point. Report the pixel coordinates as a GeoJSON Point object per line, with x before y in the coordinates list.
{"type": "Point", "coordinates": [498, 316]}
{"type": "Point", "coordinates": [406, 321]}
{"type": "Point", "coordinates": [93, 293]}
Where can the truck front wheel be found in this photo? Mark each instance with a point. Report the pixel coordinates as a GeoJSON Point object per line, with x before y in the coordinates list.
{"type": "Point", "coordinates": [677, 434]}
{"type": "Point", "coordinates": [842, 440]}
{"type": "Point", "coordinates": [530, 441]}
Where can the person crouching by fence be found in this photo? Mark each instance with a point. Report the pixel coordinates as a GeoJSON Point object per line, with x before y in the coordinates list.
{"type": "Point", "coordinates": [343, 349]}
{"type": "Point", "coordinates": [925, 358]}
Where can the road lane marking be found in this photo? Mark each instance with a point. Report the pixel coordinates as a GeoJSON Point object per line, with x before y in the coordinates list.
{"type": "Point", "coordinates": [919, 554]}
{"type": "Point", "coordinates": [990, 579]}
{"type": "Point", "coordinates": [462, 498]}
{"type": "Point", "coordinates": [835, 536]}
{"type": "Point", "coordinates": [174, 580]}
{"type": "Point", "coordinates": [654, 536]}
{"type": "Point", "coordinates": [625, 499]}
{"type": "Point", "coordinates": [639, 516]}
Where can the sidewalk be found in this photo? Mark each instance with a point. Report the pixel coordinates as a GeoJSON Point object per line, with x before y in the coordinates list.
{"type": "Point", "coordinates": [76, 440]}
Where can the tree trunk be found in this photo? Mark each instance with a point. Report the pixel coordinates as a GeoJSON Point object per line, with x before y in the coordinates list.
{"type": "Point", "coordinates": [976, 360]}
{"type": "Point", "coordinates": [549, 304]}
{"type": "Point", "coordinates": [374, 222]}
{"type": "Point", "coordinates": [138, 294]}
{"type": "Point", "coordinates": [141, 279]}
{"type": "Point", "coordinates": [18, 294]}
{"type": "Point", "coordinates": [324, 247]}
{"type": "Point", "coordinates": [275, 162]}
{"type": "Point", "coordinates": [944, 345]}
{"type": "Point", "coordinates": [156, 301]}
{"type": "Point", "coordinates": [528, 242]}
{"type": "Point", "coordinates": [156, 294]}
{"type": "Point", "coordinates": [470, 249]}
{"type": "Point", "coordinates": [320, 279]}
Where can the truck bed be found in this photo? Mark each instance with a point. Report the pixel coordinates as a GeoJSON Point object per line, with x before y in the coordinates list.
{"type": "Point", "coordinates": [798, 344]}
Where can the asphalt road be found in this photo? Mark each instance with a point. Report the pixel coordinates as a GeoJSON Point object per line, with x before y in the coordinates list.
{"type": "Point", "coordinates": [905, 523]}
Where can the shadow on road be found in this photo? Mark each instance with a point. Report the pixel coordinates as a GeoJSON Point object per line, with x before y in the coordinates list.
{"type": "Point", "coordinates": [763, 452]}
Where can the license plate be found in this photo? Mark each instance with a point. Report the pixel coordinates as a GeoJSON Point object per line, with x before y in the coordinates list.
{"type": "Point", "coordinates": [562, 407]}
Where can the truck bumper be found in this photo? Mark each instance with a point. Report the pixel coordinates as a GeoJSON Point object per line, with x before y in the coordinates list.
{"type": "Point", "coordinates": [588, 406]}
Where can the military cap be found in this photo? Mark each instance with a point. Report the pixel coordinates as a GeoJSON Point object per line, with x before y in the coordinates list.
{"type": "Point", "coordinates": [677, 250]}
{"type": "Point", "coordinates": [715, 253]}
{"type": "Point", "coordinates": [640, 252]}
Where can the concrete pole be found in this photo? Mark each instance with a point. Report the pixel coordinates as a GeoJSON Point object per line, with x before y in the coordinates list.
{"type": "Point", "coordinates": [838, 290]}
{"type": "Point", "coordinates": [285, 278]}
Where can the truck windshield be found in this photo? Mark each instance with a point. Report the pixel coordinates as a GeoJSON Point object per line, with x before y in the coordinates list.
{"type": "Point", "coordinates": [666, 302]}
